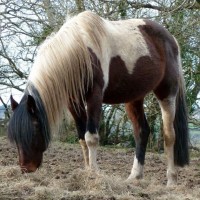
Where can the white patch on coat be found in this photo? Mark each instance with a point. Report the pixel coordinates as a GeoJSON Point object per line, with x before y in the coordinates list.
{"type": "Point", "coordinates": [92, 141]}
{"type": "Point", "coordinates": [137, 170]}
{"type": "Point", "coordinates": [124, 39]}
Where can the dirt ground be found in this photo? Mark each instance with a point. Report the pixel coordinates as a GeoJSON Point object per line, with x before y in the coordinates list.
{"type": "Point", "coordinates": [62, 176]}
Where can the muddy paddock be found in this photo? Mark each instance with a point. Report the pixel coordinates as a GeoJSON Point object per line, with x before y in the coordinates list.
{"type": "Point", "coordinates": [63, 177]}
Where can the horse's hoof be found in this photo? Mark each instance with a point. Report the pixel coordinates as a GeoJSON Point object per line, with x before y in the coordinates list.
{"type": "Point", "coordinates": [93, 168]}
{"type": "Point", "coordinates": [133, 178]}
{"type": "Point", "coordinates": [171, 183]}
{"type": "Point", "coordinates": [171, 179]}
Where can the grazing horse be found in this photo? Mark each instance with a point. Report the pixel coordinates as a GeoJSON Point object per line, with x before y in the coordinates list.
{"type": "Point", "coordinates": [91, 61]}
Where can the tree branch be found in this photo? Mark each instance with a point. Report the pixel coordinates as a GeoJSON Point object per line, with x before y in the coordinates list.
{"type": "Point", "coordinates": [186, 4]}
{"type": "Point", "coordinates": [6, 107]}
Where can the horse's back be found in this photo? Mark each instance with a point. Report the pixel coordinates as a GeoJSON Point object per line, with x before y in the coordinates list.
{"type": "Point", "coordinates": [133, 54]}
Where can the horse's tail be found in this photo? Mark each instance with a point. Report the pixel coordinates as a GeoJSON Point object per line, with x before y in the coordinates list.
{"type": "Point", "coordinates": [181, 148]}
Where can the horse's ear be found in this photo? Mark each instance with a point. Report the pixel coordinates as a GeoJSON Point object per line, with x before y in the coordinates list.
{"type": "Point", "coordinates": [14, 104]}
{"type": "Point", "coordinates": [31, 105]}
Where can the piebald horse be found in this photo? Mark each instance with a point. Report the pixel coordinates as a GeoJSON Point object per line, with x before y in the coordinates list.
{"type": "Point", "coordinates": [91, 61]}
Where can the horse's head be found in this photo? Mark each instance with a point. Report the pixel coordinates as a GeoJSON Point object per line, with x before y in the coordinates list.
{"type": "Point", "coordinates": [26, 130]}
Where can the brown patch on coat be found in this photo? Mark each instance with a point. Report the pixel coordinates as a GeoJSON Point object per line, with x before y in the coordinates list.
{"type": "Point", "coordinates": [124, 87]}
{"type": "Point", "coordinates": [159, 40]}
{"type": "Point", "coordinates": [94, 96]}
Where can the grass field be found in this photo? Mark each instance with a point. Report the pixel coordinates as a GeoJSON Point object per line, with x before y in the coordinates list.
{"type": "Point", "coordinates": [62, 176]}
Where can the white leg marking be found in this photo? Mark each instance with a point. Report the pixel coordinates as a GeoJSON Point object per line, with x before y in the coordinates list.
{"type": "Point", "coordinates": [85, 152]}
{"type": "Point", "coordinates": [92, 141]}
{"type": "Point", "coordinates": [168, 115]}
{"type": "Point", "coordinates": [137, 170]}
{"type": "Point", "coordinates": [171, 171]}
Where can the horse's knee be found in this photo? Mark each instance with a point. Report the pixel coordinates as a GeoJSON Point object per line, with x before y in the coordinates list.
{"type": "Point", "coordinates": [91, 139]}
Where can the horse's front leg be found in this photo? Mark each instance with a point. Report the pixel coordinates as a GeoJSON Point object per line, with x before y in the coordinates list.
{"type": "Point", "coordinates": [80, 118]}
{"type": "Point", "coordinates": [94, 104]}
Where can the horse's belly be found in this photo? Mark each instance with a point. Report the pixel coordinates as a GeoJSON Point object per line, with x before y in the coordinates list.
{"type": "Point", "coordinates": [124, 94]}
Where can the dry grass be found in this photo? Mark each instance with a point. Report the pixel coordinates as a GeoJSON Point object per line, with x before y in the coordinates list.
{"type": "Point", "coordinates": [63, 177]}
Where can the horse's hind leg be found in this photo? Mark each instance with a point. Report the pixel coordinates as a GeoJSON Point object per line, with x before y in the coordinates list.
{"type": "Point", "coordinates": [168, 106]}
{"type": "Point", "coordinates": [136, 114]}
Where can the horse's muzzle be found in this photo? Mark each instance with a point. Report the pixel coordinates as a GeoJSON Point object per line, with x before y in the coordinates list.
{"type": "Point", "coordinates": [29, 168]}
